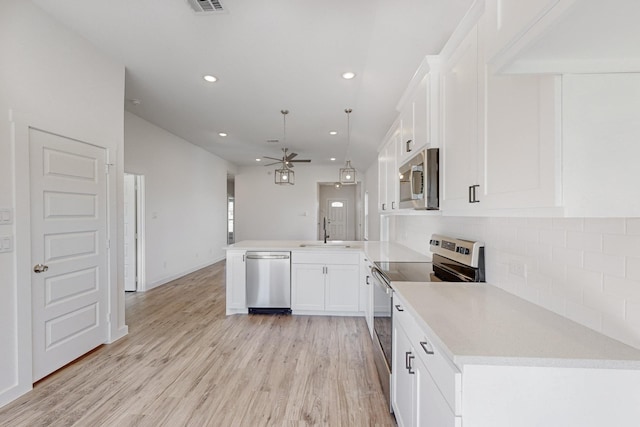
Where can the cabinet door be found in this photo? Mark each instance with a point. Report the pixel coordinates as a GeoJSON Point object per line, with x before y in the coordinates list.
{"type": "Point", "coordinates": [521, 118]}
{"type": "Point", "coordinates": [460, 123]}
{"type": "Point", "coordinates": [366, 294]}
{"type": "Point", "coordinates": [392, 172]}
{"type": "Point", "coordinates": [421, 116]}
{"type": "Point", "coordinates": [402, 379]}
{"type": "Point", "coordinates": [236, 280]}
{"type": "Point", "coordinates": [342, 289]}
{"type": "Point", "coordinates": [407, 134]}
{"type": "Point", "coordinates": [307, 287]}
{"type": "Point", "coordinates": [382, 181]}
{"type": "Point", "coordinates": [431, 407]}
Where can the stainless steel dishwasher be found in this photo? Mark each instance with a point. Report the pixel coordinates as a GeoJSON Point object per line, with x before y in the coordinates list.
{"type": "Point", "coordinates": [269, 282]}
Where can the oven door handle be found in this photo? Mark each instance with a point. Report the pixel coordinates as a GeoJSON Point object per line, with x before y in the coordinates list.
{"type": "Point", "coordinates": [380, 280]}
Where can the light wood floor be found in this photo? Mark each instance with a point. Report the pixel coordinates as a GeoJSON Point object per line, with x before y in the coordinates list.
{"type": "Point", "coordinates": [184, 363]}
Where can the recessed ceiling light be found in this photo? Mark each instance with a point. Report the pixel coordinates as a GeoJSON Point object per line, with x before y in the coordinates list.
{"type": "Point", "coordinates": [333, 132]}
{"type": "Point", "coordinates": [210, 78]}
{"type": "Point", "coordinates": [222, 134]}
{"type": "Point", "coordinates": [257, 160]}
{"type": "Point", "coordinates": [333, 159]}
{"type": "Point", "coordinates": [348, 75]}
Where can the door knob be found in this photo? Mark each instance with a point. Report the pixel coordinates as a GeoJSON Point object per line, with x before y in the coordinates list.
{"type": "Point", "coordinates": [40, 268]}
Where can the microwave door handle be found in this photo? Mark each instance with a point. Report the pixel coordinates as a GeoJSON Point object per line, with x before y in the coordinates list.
{"type": "Point", "coordinates": [415, 168]}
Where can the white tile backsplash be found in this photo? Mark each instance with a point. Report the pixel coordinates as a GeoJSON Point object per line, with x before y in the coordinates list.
{"type": "Point", "coordinates": [577, 267]}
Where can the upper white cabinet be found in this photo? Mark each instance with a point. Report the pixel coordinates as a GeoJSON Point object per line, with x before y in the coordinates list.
{"type": "Point", "coordinates": [563, 36]}
{"type": "Point", "coordinates": [500, 135]}
{"type": "Point", "coordinates": [601, 131]}
{"type": "Point", "coordinates": [460, 130]}
{"type": "Point", "coordinates": [419, 111]}
{"type": "Point", "coordinates": [388, 185]}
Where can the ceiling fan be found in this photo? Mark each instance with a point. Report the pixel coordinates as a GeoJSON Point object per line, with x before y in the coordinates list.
{"type": "Point", "coordinates": [287, 159]}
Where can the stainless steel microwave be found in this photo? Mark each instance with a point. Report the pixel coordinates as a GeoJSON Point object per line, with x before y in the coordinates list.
{"type": "Point", "coordinates": [419, 182]}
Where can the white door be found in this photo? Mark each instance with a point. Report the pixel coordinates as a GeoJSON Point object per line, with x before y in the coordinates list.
{"type": "Point", "coordinates": [337, 219]}
{"type": "Point", "coordinates": [69, 242]}
{"type": "Point", "coordinates": [130, 233]}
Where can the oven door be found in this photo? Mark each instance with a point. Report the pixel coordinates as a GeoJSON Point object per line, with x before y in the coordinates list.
{"type": "Point", "coordinates": [382, 327]}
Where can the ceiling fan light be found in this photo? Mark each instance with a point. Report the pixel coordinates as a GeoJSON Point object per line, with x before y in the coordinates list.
{"type": "Point", "coordinates": [347, 174]}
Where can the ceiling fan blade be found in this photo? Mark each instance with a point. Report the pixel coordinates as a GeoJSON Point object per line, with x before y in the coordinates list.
{"type": "Point", "coordinates": [289, 165]}
{"type": "Point", "coordinates": [301, 161]}
{"type": "Point", "coordinates": [271, 164]}
{"type": "Point", "coordinates": [291, 156]}
{"type": "Point", "coordinates": [272, 158]}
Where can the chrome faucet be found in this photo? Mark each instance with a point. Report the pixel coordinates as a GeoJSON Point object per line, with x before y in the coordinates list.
{"type": "Point", "coordinates": [324, 228]}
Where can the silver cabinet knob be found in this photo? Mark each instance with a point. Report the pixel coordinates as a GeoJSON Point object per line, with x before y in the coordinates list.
{"type": "Point", "coordinates": [40, 268]}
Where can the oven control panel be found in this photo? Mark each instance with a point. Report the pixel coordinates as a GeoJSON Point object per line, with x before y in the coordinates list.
{"type": "Point", "coordinates": [464, 251]}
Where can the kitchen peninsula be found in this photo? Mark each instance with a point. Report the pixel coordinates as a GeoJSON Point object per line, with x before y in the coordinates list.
{"type": "Point", "coordinates": [464, 351]}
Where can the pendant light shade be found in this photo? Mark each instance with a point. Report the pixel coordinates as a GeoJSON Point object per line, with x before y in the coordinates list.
{"type": "Point", "coordinates": [285, 176]}
{"type": "Point", "coordinates": [348, 172]}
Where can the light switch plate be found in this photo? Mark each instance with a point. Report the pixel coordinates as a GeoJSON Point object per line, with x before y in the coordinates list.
{"type": "Point", "coordinates": [6, 244]}
{"type": "Point", "coordinates": [6, 216]}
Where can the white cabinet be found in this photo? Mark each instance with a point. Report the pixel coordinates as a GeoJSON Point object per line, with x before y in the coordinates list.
{"type": "Point", "coordinates": [366, 293]}
{"type": "Point", "coordinates": [324, 282]}
{"type": "Point", "coordinates": [307, 287]}
{"type": "Point", "coordinates": [402, 377]}
{"type": "Point", "coordinates": [388, 173]}
{"type": "Point", "coordinates": [421, 376]}
{"type": "Point", "coordinates": [500, 136]}
{"type": "Point", "coordinates": [460, 125]}
{"type": "Point", "coordinates": [236, 282]}
{"type": "Point", "coordinates": [419, 111]}
{"type": "Point", "coordinates": [601, 131]}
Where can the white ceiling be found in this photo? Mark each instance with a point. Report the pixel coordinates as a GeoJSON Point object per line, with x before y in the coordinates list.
{"type": "Point", "coordinates": [268, 56]}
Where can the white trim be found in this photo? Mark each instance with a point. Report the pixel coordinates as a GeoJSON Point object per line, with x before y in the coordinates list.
{"type": "Point", "coordinates": [141, 227]}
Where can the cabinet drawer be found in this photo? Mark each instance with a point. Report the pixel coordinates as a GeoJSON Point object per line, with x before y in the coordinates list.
{"type": "Point", "coordinates": [445, 374]}
{"type": "Point", "coordinates": [325, 257]}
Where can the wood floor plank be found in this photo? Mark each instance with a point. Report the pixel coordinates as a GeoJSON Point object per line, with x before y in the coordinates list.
{"type": "Point", "coordinates": [185, 363]}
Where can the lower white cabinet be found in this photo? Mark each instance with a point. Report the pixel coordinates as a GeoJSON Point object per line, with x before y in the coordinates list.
{"type": "Point", "coordinates": [322, 282]}
{"type": "Point", "coordinates": [366, 293]}
{"type": "Point", "coordinates": [426, 389]}
{"type": "Point", "coordinates": [236, 282]}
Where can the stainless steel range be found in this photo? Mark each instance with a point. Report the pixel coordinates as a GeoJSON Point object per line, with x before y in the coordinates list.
{"type": "Point", "coordinates": [453, 260]}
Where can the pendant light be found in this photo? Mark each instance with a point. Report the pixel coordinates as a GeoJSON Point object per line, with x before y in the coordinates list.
{"type": "Point", "coordinates": [285, 174]}
{"type": "Point", "coordinates": [348, 173]}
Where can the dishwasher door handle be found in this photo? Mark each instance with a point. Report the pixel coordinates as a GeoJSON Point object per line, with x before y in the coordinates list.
{"type": "Point", "coordinates": [267, 256]}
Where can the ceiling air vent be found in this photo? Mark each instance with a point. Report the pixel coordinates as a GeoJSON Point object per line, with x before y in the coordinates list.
{"type": "Point", "coordinates": [207, 6]}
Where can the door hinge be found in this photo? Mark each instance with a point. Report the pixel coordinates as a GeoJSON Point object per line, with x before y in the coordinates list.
{"type": "Point", "coordinates": [106, 168]}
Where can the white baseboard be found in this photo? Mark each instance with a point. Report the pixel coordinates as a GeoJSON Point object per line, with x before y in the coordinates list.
{"type": "Point", "coordinates": [13, 392]}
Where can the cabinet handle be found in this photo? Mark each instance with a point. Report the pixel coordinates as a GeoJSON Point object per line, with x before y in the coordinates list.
{"type": "Point", "coordinates": [399, 308]}
{"type": "Point", "coordinates": [407, 362]}
{"type": "Point", "coordinates": [424, 344]}
{"type": "Point", "coordinates": [393, 205]}
{"type": "Point", "coordinates": [408, 146]}
{"type": "Point", "coordinates": [410, 357]}
{"type": "Point", "coordinates": [243, 257]}
{"type": "Point", "coordinates": [384, 206]}
{"type": "Point", "coordinates": [367, 281]}
{"type": "Point", "coordinates": [473, 194]}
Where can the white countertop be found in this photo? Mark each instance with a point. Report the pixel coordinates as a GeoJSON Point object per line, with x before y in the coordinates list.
{"type": "Point", "coordinates": [373, 250]}
{"type": "Point", "coordinates": [482, 324]}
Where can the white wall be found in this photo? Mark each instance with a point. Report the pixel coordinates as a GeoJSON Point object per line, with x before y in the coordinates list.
{"type": "Point", "coordinates": [52, 79]}
{"type": "Point", "coordinates": [185, 200]}
{"type": "Point", "coordinates": [265, 210]}
{"type": "Point", "coordinates": [586, 269]}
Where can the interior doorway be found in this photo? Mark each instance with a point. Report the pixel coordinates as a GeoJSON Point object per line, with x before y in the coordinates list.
{"type": "Point", "coordinates": [231, 204]}
{"type": "Point", "coordinates": [338, 212]}
{"type": "Point", "coordinates": [133, 232]}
